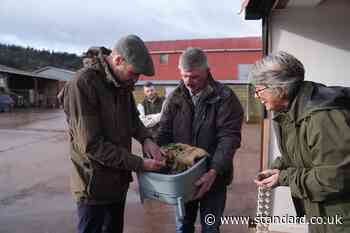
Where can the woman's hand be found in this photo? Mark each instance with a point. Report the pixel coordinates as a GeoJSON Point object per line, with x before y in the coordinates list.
{"type": "Point", "coordinates": [267, 178]}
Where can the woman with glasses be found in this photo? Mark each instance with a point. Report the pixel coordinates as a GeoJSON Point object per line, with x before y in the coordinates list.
{"type": "Point", "coordinates": [312, 126]}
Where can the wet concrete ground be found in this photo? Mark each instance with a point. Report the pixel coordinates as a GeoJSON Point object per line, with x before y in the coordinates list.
{"type": "Point", "coordinates": [34, 180]}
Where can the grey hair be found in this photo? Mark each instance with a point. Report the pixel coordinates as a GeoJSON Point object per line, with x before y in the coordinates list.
{"type": "Point", "coordinates": [280, 71]}
{"type": "Point", "coordinates": [193, 58]}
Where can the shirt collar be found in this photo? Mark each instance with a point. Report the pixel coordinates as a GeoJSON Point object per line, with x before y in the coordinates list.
{"type": "Point", "coordinates": [194, 95]}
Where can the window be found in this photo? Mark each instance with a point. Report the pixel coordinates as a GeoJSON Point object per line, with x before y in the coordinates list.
{"type": "Point", "coordinates": [163, 58]}
{"type": "Point", "coordinates": [243, 71]}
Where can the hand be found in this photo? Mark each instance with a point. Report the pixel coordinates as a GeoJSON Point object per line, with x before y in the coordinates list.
{"type": "Point", "coordinates": [152, 149]}
{"type": "Point", "coordinates": [146, 120]}
{"type": "Point", "coordinates": [152, 165]}
{"type": "Point", "coordinates": [204, 183]}
{"type": "Point", "coordinates": [151, 123]}
{"type": "Point", "coordinates": [267, 178]}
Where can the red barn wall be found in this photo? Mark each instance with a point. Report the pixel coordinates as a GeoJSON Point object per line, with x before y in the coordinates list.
{"type": "Point", "coordinates": [224, 56]}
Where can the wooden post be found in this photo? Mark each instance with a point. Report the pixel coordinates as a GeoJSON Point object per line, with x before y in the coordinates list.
{"type": "Point", "coordinates": [36, 103]}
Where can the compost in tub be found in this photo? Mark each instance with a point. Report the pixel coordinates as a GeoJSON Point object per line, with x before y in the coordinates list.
{"type": "Point", "coordinates": [185, 165]}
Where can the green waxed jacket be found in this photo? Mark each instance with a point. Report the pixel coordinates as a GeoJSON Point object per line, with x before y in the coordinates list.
{"type": "Point", "coordinates": [102, 119]}
{"type": "Point", "coordinates": [314, 140]}
{"type": "Point", "coordinates": [153, 107]}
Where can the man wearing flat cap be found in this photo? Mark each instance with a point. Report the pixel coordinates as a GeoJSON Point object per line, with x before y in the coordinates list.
{"type": "Point", "coordinates": [102, 119]}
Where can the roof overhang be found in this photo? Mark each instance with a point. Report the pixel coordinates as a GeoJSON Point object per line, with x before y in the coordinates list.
{"type": "Point", "coordinates": [257, 9]}
{"type": "Point", "coordinates": [10, 70]}
{"type": "Point", "coordinates": [27, 74]}
{"type": "Point", "coordinates": [297, 3]}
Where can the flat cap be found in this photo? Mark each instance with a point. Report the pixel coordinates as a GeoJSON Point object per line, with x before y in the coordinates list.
{"type": "Point", "coordinates": [134, 51]}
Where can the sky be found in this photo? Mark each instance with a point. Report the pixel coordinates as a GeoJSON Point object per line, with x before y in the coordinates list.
{"type": "Point", "coordinates": [75, 25]}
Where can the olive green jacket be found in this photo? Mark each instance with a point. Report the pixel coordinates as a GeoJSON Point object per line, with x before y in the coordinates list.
{"type": "Point", "coordinates": [102, 119]}
{"type": "Point", "coordinates": [153, 107]}
{"type": "Point", "coordinates": [314, 140]}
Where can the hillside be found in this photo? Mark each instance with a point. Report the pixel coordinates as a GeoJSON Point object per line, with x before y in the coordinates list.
{"type": "Point", "coordinates": [31, 59]}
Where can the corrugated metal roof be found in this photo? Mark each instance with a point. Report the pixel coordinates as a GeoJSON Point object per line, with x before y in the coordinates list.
{"type": "Point", "coordinates": [10, 70]}
{"type": "Point", "coordinates": [48, 72]}
{"type": "Point", "coordinates": [51, 72]}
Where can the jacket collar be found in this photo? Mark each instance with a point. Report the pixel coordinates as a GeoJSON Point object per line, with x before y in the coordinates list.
{"type": "Point", "coordinates": [312, 97]}
{"type": "Point", "coordinates": [295, 111]}
{"type": "Point", "coordinates": [156, 99]}
{"type": "Point", "coordinates": [103, 67]}
{"type": "Point", "coordinates": [209, 95]}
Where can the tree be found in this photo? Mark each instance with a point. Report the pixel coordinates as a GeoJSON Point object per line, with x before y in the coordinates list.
{"type": "Point", "coordinates": [30, 59]}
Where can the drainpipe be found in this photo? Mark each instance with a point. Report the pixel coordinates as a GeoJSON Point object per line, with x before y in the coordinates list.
{"type": "Point", "coordinates": [264, 124]}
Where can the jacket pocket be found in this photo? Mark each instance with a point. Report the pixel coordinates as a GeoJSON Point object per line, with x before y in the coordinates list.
{"type": "Point", "coordinates": [107, 185]}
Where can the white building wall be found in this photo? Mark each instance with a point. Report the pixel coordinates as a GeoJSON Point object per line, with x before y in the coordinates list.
{"type": "Point", "coordinates": [319, 37]}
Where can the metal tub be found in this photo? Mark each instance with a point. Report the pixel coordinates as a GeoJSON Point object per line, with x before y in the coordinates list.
{"type": "Point", "coordinates": [172, 189]}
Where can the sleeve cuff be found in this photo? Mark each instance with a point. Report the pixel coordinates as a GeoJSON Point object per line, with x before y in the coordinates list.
{"type": "Point", "coordinates": [138, 164]}
{"type": "Point", "coordinates": [277, 164]}
{"type": "Point", "coordinates": [216, 167]}
{"type": "Point", "coordinates": [283, 178]}
{"type": "Point", "coordinates": [145, 138]}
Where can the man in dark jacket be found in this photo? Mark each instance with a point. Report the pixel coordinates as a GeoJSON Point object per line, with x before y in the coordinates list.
{"type": "Point", "coordinates": [313, 133]}
{"type": "Point", "coordinates": [102, 119]}
{"type": "Point", "coordinates": [204, 113]}
{"type": "Point", "coordinates": [150, 108]}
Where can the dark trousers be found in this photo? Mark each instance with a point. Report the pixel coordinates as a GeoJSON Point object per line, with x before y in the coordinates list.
{"type": "Point", "coordinates": [107, 218]}
{"type": "Point", "coordinates": [212, 204]}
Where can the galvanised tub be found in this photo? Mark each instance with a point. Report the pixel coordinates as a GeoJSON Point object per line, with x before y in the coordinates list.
{"type": "Point", "coordinates": [172, 189]}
